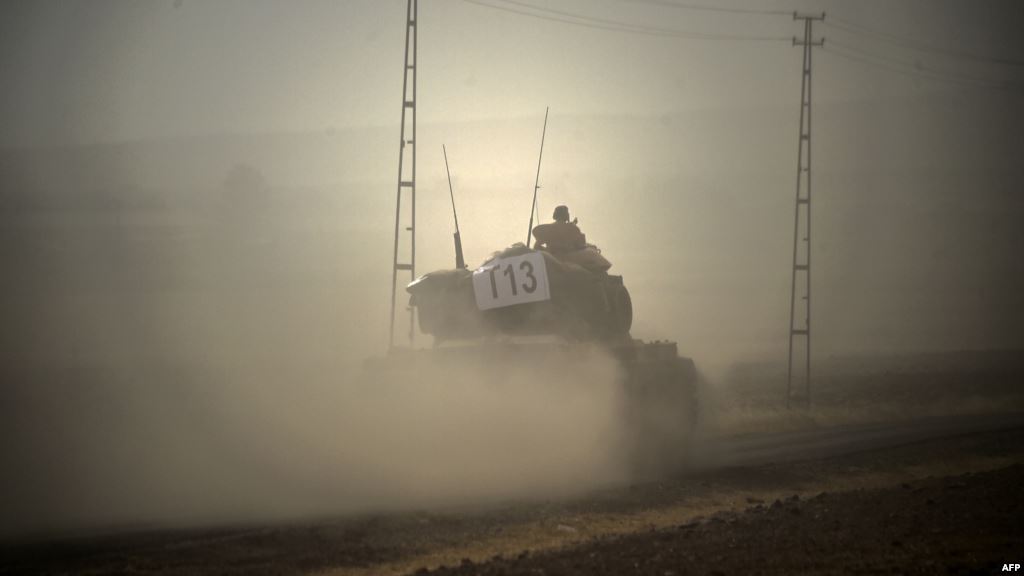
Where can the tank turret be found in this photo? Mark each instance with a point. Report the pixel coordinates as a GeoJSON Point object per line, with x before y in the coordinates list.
{"type": "Point", "coordinates": [524, 291]}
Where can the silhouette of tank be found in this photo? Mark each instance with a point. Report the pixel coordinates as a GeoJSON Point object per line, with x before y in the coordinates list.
{"type": "Point", "coordinates": [520, 291]}
{"type": "Point", "coordinates": [567, 295]}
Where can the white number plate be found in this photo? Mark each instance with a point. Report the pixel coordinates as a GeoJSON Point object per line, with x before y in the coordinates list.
{"type": "Point", "coordinates": [510, 281]}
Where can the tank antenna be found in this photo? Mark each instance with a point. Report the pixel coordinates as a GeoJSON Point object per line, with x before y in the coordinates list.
{"type": "Point", "coordinates": [460, 261]}
{"type": "Point", "coordinates": [536, 184]}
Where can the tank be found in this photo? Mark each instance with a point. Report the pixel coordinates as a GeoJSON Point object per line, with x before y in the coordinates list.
{"type": "Point", "coordinates": [523, 291]}
{"type": "Point", "coordinates": [569, 297]}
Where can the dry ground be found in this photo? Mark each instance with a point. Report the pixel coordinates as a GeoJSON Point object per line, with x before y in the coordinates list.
{"type": "Point", "coordinates": [966, 524]}
{"type": "Point", "coordinates": [949, 503]}
{"type": "Point", "coordinates": [953, 502]}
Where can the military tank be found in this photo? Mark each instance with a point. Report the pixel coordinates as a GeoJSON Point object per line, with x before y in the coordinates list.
{"type": "Point", "coordinates": [567, 296]}
{"type": "Point", "coordinates": [522, 291]}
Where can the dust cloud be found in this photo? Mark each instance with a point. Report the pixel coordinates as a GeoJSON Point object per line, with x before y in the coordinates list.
{"type": "Point", "coordinates": [275, 444]}
{"type": "Point", "coordinates": [196, 242]}
{"type": "Point", "coordinates": [186, 320]}
{"type": "Point", "coordinates": [201, 361]}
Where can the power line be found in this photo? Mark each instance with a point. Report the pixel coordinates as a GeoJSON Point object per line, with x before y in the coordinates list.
{"type": "Point", "coordinates": [582, 20]}
{"type": "Point", "coordinates": [858, 29]}
{"type": "Point", "coordinates": [562, 20]}
{"type": "Point", "coordinates": [617, 25]}
{"type": "Point", "coordinates": [908, 73]}
{"type": "Point", "coordinates": [853, 57]}
{"type": "Point", "coordinates": [916, 69]}
{"type": "Point", "coordinates": [845, 51]}
{"type": "Point", "coordinates": [703, 8]}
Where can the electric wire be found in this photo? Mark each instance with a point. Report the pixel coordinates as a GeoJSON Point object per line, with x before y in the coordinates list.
{"type": "Point", "coordinates": [883, 66]}
{"type": "Point", "coordinates": [921, 69]}
{"type": "Point", "coordinates": [704, 8]}
{"type": "Point", "coordinates": [578, 19]}
{"type": "Point", "coordinates": [840, 49]}
{"type": "Point", "coordinates": [916, 73]}
{"type": "Point", "coordinates": [850, 27]}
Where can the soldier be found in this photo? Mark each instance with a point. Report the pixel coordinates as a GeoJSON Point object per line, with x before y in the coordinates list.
{"type": "Point", "coordinates": [561, 235]}
{"type": "Point", "coordinates": [562, 215]}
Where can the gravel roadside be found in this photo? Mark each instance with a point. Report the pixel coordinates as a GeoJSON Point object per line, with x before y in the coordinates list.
{"type": "Point", "coordinates": [968, 524]}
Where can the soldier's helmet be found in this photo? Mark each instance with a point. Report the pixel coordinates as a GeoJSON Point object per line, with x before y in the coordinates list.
{"type": "Point", "coordinates": [561, 214]}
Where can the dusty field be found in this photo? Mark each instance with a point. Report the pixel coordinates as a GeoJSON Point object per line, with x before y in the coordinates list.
{"type": "Point", "coordinates": [894, 509]}
{"type": "Point", "coordinates": [902, 469]}
{"type": "Point", "coordinates": [967, 524]}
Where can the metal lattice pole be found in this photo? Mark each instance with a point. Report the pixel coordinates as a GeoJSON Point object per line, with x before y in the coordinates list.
{"type": "Point", "coordinates": [802, 266]}
{"type": "Point", "coordinates": [406, 183]}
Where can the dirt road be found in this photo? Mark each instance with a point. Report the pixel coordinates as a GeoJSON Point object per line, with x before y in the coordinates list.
{"type": "Point", "coordinates": [878, 497]}
{"type": "Point", "coordinates": [968, 524]}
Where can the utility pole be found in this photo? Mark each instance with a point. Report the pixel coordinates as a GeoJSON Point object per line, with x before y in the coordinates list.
{"type": "Point", "coordinates": [406, 172]}
{"type": "Point", "coordinates": [800, 324]}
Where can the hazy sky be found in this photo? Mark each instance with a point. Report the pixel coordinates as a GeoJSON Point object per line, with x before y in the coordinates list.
{"type": "Point", "coordinates": [79, 72]}
{"type": "Point", "coordinates": [917, 121]}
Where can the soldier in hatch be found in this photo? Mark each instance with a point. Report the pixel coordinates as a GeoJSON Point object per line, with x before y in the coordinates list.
{"type": "Point", "coordinates": [561, 235]}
